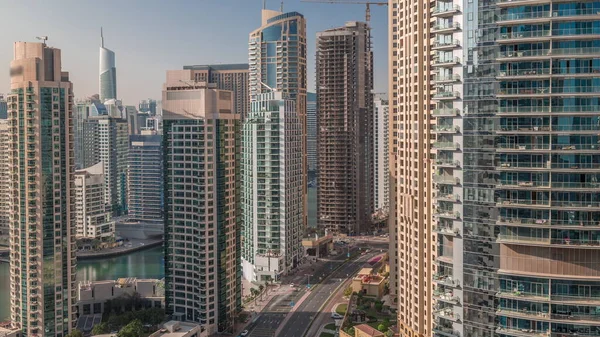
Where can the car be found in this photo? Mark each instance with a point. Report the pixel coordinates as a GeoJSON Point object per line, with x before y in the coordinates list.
{"type": "Point", "coordinates": [335, 315]}
{"type": "Point", "coordinates": [244, 333]}
{"type": "Point", "coordinates": [292, 285]}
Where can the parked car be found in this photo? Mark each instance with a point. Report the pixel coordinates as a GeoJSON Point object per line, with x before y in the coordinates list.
{"type": "Point", "coordinates": [244, 333]}
{"type": "Point", "coordinates": [335, 315]}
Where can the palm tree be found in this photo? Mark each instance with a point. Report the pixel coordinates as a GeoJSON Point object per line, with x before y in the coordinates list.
{"type": "Point", "coordinates": [260, 288]}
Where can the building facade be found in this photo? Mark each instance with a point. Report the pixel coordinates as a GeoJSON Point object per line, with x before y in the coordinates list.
{"type": "Point", "coordinates": [517, 168]}
{"type": "Point", "coordinates": [4, 181]}
{"type": "Point", "coordinates": [311, 131]}
{"type": "Point", "coordinates": [3, 107]}
{"type": "Point", "coordinates": [277, 60]}
{"type": "Point", "coordinates": [202, 256]}
{"type": "Point", "coordinates": [108, 72]}
{"type": "Point", "coordinates": [271, 194]}
{"type": "Point", "coordinates": [42, 224]}
{"type": "Point", "coordinates": [410, 164]}
{"type": "Point", "coordinates": [86, 132]}
{"type": "Point", "coordinates": [232, 77]}
{"type": "Point", "coordinates": [381, 163]}
{"type": "Point", "coordinates": [92, 219]}
{"type": "Point", "coordinates": [345, 128]}
{"type": "Point", "coordinates": [145, 178]}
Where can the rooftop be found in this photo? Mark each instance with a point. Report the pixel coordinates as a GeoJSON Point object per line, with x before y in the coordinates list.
{"type": "Point", "coordinates": [232, 66]}
{"type": "Point", "coordinates": [177, 329]}
{"type": "Point", "coordinates": [369, 330]}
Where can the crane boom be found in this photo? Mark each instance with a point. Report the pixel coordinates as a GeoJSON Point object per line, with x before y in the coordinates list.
{"type": "Point", "coordinates": [353, 2]}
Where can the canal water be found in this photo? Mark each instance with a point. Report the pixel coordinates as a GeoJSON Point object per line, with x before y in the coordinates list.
{"type": "Point", "coordinates": [143, 264]}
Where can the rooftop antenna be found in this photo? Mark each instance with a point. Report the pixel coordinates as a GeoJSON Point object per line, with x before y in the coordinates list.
{"type": "Point", "coordinates": [43, 39]}
{"type": "Point", "coordinates": [264, 4]}
{"type": "Point", "coordinates": [101, 38]}
{"type": "Point", "coordinates": [281, 8]}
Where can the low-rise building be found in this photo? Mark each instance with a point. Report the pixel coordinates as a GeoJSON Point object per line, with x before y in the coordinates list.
{"type": "Point", "coordinates": [364, 330]}
{"type": "Point", "coordinates": [93, 296]}
{"type": "Point", "coordinates": [9, 332]}
{"type": "Point", "coordinates": [93, 221]}
{"type": "Point", "coordinates": [318, 246]}
{"type": "Point", "coordinates": [180, 329]}
{"type": "Point", "coordinates": [369, 283]}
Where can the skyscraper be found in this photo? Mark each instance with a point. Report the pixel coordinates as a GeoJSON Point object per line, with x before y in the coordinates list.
{"type": "Point", "coordinates": [42, 224]}
{"type": "Point", "coordinates": [271, 195]}
{"type": "Point", "coordinates": [345, 123]}
{"type": "Point", "coordinates": [410, 164]}
{"type": "Point", "coordinates": [148, 106]}
{"type": "Point", "coordinates": [278, 61]}
{"type": "Point", "coordinates": [108, 72]}
{"type": "Point", "coordinates": [233, 77]}
{"type": "Point", "coordinates": [518, 200]}
{"type": "Point", "coordinates": [86, 132]}
{"type": "Point", "coordinates": [381, 167]}
{"type": "Point", "coordinates": [311, 131]}
{"type": "Point", "coordinates": [92, 219]}
{"type": "Point", "coordinates": [145, 178]}
{"type": "Point", "coordinates": [202, 256]}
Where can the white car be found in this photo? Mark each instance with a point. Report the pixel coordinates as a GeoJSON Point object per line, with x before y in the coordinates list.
{"type": "Point", "coordinates": [244, 333]}
{"type": "Point", "coordinates": [335, 315]}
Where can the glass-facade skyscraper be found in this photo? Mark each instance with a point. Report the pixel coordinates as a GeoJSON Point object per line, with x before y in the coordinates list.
{"type": "Point", "coordinates": [277, 61]}
{"type": "Point", "coordinates": [517, 168]}
{"type": "Point", "coordinates": [108, 72]}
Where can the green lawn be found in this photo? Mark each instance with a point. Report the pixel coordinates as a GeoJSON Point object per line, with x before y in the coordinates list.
{"type": "Point", "coordinates": [326, 334]}
{"type": "Point", "coordinates": [330, 326]}
{"type": "Point", "coordinates": [341, 309]}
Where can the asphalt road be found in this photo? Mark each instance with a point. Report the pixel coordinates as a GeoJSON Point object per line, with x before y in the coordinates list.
{"type": "Point", "coordinates": [298, 323]}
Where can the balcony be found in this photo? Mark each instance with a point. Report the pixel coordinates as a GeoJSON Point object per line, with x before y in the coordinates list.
{"type": "Point", "coordinates": [575, 147]}
{"type": "Point", "coordinates": [522, 203]}
{"type": "Point", "coordinates": [440, 128]}
{"type": "Point", "coordinates": [515, 293]}
{"type": "Point", "coordinates": [447, 79]}
{"type": "Point", "coordinates": [575, 185]}
{"type": "Point", "coordinates": [575, 299]}
{"type": "Point", "coordinates": [448, 314]}
{"type": "Point", "coordinates": [446, 179]}
{"type": "Point", "coordinates": [521, 332]}
{"type": "Point", "coordinates": [526, 16]}
{"type": "Point", "coordinates": [447, 163]}
{"type": "Point", "coordinates": [448, 197]}
{"type": "Point", "coordinates": [445, 45]}
{"type": "Point", "coordinates": [532, 91]}
{"type": "Point", "coordinates": [587, 205]}
{"type": "Point", "coordinates": [504, 238]}
{"type": "Point", "coordinates": [512, 129]}
{"type": "Point", "coordinates": [446, 95]}
{"type": "Point", "coordinates": [523, 184]}
{"type": "Point", "coordinates": [522, 313]}
{"type": "Point", "coordinates": [502, 147]}
{"type": "Point", "coordinates": [447, 214]}
{"type": "Point", "coordinates": [446, 146]}
{"type": "Point", "coordinates": [446, 112]}
{"type": "Point", "coordinates": [446, 296]}
{"type": "Point", "coordinates": [446, 280]}
{"type": "Point", "coordinates": [533, 72]}
{"type": "Point", "coordinates": [523, 222]}
{"type": "Point", "coordinates": [524, 35]}
{"type": "Point", "coordinates": [447, 230]}
{"type": "Point", "coordinates": [581, 243]}
{"type": "Point", "coordinates": [534, 54]}
{"type": "Point", "coordinates": [445, 11]}
{"type": "Point", "coordinates": [441, 330]}
{"type": "Point", "coordinates": [436, 29]}
{"type": "Point", "coordinates": [523, 110]}
{"type": "Point", "coordinates": [446, 62]}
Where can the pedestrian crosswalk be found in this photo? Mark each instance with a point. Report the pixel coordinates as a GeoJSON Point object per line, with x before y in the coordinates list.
{"type": "Point", "coordinates": [262, 332]}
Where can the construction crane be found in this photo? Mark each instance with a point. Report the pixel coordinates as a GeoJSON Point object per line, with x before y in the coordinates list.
{"type": "Point", "coordinates": [340, 2]}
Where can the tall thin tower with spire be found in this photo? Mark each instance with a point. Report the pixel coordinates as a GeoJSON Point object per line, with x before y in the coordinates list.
{"type": "Point", "coordinates": [108, 72]}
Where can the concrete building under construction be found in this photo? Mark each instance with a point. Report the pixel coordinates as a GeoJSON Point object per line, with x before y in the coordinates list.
{"type": "Point", "coordinates": [345, 128]}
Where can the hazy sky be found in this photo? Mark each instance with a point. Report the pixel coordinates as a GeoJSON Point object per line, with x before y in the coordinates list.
{"type": "Point", "coordinates": [152, 36]}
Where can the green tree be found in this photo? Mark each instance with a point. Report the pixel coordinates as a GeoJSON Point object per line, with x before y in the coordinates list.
{"type": "Point", "coordinates": [75, 333]}
{"type": "Point", "coordinates": [100, 329]}
{"type": "Point", "coordinates": [378, 306]}
{"type": "Point", "coordinates": [348, 291]}
{"type": "Point", "coordinates": [381, 327]}
{"type": "Point", "coordinates": [133, 329]}
{"type": "Point", "coordinates": [389, 333]}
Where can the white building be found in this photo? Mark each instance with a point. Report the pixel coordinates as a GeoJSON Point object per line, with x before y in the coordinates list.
{"type": "Point", "coordinates": [381, 153]}
{"type": "Point", "coordinates": [92, 296]}
{"type": "Point", "coordinates": [91, 217]}
{"type": "Point", "coordinates": [271, 194]}
{"type": "Point", "coordinates": [4, 177]}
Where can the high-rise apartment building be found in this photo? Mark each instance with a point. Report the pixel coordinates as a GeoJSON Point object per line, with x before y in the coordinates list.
{"type": "Point", "coordinates": [517, 155]}
{"type": "Point", "coordinates": [4, 178]}
{"type": "Point", "coordinates": [42, 223]}
{"type": "Point", "coordinates": [92, 219]}
{"type": "Point", "coordinates": [202, 255]}
{"type": "Point", "coordinates": [311, 131]}
{"type": "Point", "coordinates": [381, 164]}
{"type": "Point", "coordinates": [277, 61]}
{"type": "Point", "coordinates": [345, 128]}
{"type": "Point", "coordinates": [232, 77]}
{"type": "Point", "coordinates": [271, 194]}
{"type": "Point", "coordinates": [149, 106]}
{"type": "Point", "coordinates": [410, 164]}
{"type": "Point", "coordinates": [108, 72]}
{"type": "Point", "coordinates": [110, 144]}
{"type": "Point", "coordinates": [3, 107]}
{"type": "Point", "coordinates": [145, 178]}
{"type": "Point", "coordinates": [86, 132]}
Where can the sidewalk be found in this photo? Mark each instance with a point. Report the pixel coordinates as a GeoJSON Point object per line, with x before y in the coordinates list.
{"type": "Point", "coordinates": [324, 316]}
